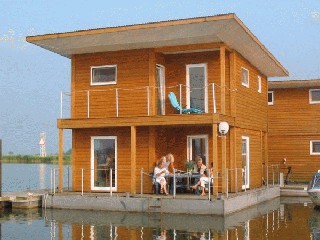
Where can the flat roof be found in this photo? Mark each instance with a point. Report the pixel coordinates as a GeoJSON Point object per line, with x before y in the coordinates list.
{"type": "Point", "coordinates": [311, 83]}
{"type": "Point", "coordinates": [226, 28]}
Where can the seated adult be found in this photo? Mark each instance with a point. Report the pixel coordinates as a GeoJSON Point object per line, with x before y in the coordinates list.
{"type": "Point", "coordinates": [199, 167]}
{"type": "Point", "coordinates": [203, 181]}
{"type": "Point", "coordinates": [159, 172]}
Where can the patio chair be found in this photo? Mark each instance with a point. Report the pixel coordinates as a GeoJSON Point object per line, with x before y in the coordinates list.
{"type": "Point", "coordinates": [155, 186]}
{"type": "Point", "coordinates": [175, 104]}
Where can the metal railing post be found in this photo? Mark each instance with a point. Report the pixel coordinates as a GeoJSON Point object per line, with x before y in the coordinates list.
{"type": "Point", "coordinates": [54, 181]}
{"type": "Point", "coordinates": [141, 183]}
{"type": "Point", "coordinates": [236, 183]}
{"type": "Point", "coordinates": [117, 103]}
{"type": "Point", "coordinates": [51, 181]}
{"type": "Point", "coordinates": [68, 178]}
{"type": "Point", "coordinates": [209, 187]}
{"type": "Point", "coordinates": [148, 100]}
{"type": "Point", "coordinates": [88, 104]}
{"type": "Point", "coordinates": [81, 181]}
{"type": "Point", "coordinates": [174, 184]}
{"type": "Point", "coordinates": [227, 182]}
{"type": "Point", "coordinates": [111, 183]}
{"type": "Point", "coordinates": [272, 175]}
{"type": "Point", "coordinates": [245, 179]}
{"type": "Point", "coordinates": [180, 96]}
{"type": "Point", "coordinates": [61, 104]}
{"type": "Point", "coordinates": [214, 99]}
{"type": "Point", "coordinates": [267, 170]}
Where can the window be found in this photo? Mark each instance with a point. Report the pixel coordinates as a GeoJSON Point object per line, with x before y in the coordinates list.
{"type": "Point", "coordinates": [245, 77]}
{"type": "Point", "coordinates": [104, 75]}
{"type": "Point", "coordinates": [315, 147]}
{"type": "Point", "coordinates": [314, 96]}
{"type": "Point", "coordinates": [259, 84]}
{"type": "Point", "coordinates": [270, 97]}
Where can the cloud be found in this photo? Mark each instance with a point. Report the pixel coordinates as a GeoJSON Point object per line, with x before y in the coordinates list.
{"type": "Point", "coordinates": [315, 15]}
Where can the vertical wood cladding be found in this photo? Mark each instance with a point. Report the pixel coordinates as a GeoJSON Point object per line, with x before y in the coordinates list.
{"type": "Point", "coordinates": [293, 123]}
{"type": "Point", "coordinates": [132, 72]}
{"type": "Point", "coordinates": [251, 106]}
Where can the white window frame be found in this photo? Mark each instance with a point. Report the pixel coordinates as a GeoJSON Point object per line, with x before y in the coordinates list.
{"type": "Point", "coordinates": [189, 147]}
{"type": "Point", "coordinates": [259, 84]}
{"type": "Point", "coordinates": [205, 66]}
{"type": "Point", "coordinates": [162, 70]}
{"type": "Point", "coordinates": [115, 163]}
{"type": "Point", "coordinates": [247, 139]}
{"type": "Point", "coordinates": [104, 83]}
{"type": "Point", "coordinates": [243, 83]}
{"type": "Point", "coordinates": [272, 102]}
{"type": "Point", "coordinates": [310, 96]}
{"type": "Point", "coordinates": [311, 147]}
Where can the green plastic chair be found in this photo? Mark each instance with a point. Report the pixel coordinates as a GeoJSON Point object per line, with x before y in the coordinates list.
{"type": "Point", "coordinates": [175, 104]}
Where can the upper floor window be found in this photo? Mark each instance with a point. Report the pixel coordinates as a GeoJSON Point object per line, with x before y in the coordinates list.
{"type": "Point", "coordinates": [315, 147]}
{"type": "Point", "coordinates": [270, 97]}
{"type": "Point", "coordinates": [314, 96]}
{"type": "Point", "coordinates": [104, 75]}
{"type": "Point", "coordinates": [259, 84]}
{"type": "Point", "coordinates": [245, 77]}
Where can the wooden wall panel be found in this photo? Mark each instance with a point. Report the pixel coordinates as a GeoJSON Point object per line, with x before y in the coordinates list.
{"type": "Point", "coordinates": [292, 113]}
{"type": "Point", "coordinates": [132, 72]}
{"type": "Point", "coordinates": [256, 156]}
{"type": "Point", "coordinates": [296, 150]}
{"type": "Point", "coordinates": [251, 106]}
{"type": "Point", "coordinates": [176, 74]}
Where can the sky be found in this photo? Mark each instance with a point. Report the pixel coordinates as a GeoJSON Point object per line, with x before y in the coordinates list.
{"type": "Point", "coordinates": [32, 78]}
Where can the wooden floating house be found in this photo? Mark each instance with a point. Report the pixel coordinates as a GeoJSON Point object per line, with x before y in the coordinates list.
{"type": "Point", "coordinates": [122, 120]}
{"type": "Point", "coordinates": [294, 129]}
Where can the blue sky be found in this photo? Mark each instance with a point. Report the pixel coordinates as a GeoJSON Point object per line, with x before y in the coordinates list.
{"type": "Point", "coordinates": [31, 78]}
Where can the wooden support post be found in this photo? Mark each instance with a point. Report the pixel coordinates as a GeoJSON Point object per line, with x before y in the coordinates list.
{"type": "Point", "coordinates": [133, 158]}
{"type": "Point", "coordinates": [223, 79]}
{"type": "Point", "coordinates": [233, 85]}
{"type": "Point", "coordinates": [152, 81]}
{"type": "Point", "coordinates": [60, 159]}
{"type": "Point", "coordinates": [152, 148]}
{"type": "Point", "coordinates": [215, 158]}
{"type": "Point", "coordinates": [224, 162]}
{"type": "Point", "coordinates": [233, 164]}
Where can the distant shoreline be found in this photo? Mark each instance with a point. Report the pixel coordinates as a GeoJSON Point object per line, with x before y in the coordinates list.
{"type": "Point", "coordinates": [51, 159]}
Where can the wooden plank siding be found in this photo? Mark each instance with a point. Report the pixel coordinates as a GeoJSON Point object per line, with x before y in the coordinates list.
{"type": "Point", "coordinates": [251, 106]}
{"type": "Point", "coordinates": [293, 123]}
{"type": "Point", "coordinates": [132, 73]}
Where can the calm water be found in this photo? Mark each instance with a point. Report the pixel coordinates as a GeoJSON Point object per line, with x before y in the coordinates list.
{"type": "Point", "coordinates": [285, 218]}
{"type": "Point", "coordinates": [23, 177]}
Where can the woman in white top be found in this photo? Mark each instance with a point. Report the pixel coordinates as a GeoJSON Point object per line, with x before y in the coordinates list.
{"type": "Point", "coordinates": [160, 171]}
{"type": "Point", "coordinates": [203, 181]}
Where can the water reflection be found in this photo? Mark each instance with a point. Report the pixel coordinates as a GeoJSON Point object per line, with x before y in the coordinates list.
{"type": "Point", "coordinates": [275, 219]}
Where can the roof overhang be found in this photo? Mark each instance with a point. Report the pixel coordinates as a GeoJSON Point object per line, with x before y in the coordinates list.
{"type": "Point", "coordinates": [314, 83]}
{"type": "Point", "coordinates": [221, 28]}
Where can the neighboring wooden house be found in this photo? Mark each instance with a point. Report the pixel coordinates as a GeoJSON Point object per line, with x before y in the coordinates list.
{"type": "Point", "coordinates": [294, 129]}
{"type": "Point", "coordinates": [121, 77]}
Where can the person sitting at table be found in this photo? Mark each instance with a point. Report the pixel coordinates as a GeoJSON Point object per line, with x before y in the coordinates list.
{"type": "Point", "coordinates": [203, 181]}
{"type": "Point", "coordinates": [159, 172]}
{"type": "Point", "coordinates": [199, 167]}
{"type": "Point", "coordinates": [169, 162]}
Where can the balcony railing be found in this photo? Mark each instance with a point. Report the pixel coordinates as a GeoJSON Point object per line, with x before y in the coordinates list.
{"type": "Point", "coordinates": [137, 101]}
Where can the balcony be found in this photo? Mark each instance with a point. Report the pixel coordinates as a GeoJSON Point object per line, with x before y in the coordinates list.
{"type": "Point", "coordinates": [138, 101]}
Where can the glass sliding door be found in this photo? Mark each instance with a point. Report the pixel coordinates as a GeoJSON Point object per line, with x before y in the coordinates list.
{"type": "Point", "coordinates": [196, 93]}
{"type": "Point", "coordinates": [160, 75]}
{"type": "Point", "coordinates": [104, 163]}
{"type": "Point", "coordinates": [245, 163]}
{"type": "Point", "coordinates": [198, 146]}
